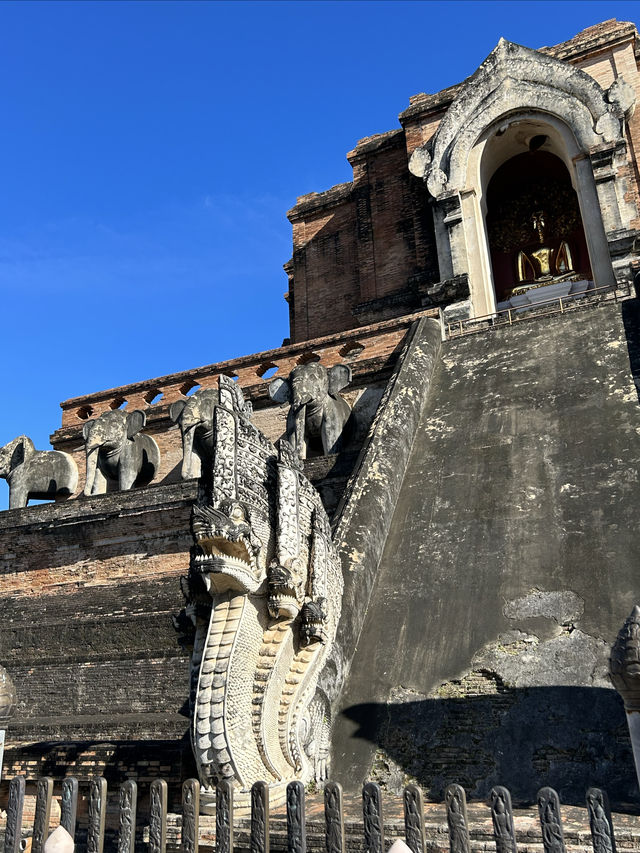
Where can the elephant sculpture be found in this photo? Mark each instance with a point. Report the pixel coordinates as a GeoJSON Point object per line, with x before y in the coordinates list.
{"type": "Point", "coordinates": [117, 453]}
{"type": "Point", "coordinates": [37, 474]}
{"type": "Point", "coordinates": [317, 410]}
{"type": "Point", "coordinates": [195, 417]}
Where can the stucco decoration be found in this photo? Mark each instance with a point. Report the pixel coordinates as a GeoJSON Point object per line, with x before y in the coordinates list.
{"type": "Point", "coordinates": [264, 593]}
{"type": "Point", "coordinates": [515, 78]}
{"type": "Point", "coordinates": [622, 95]}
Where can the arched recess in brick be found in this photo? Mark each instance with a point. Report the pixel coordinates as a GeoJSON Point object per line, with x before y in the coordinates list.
{"type": "Point", "coordinates": [516, 94]}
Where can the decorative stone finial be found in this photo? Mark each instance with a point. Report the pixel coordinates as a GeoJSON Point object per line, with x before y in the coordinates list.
{"type": "Point", "coordinates": [622, 96]}
{"type": "Point", "coordinates": [624, 663]}
{"type": "Point", "coordinates": [420, 161]}
{"type": "Point", "coordinates": [59, 842]}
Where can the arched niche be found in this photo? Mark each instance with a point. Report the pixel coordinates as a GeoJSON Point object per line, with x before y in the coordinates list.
{"type": "Point", "coordinates": [534, 226]}
{"type": "Point", "coordinates": [547, 151]}
{"type": "Point", "coordinates": [516, 95]}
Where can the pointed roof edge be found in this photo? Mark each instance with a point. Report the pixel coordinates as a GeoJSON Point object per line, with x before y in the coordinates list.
{"type": "Point", "coordinates": [596, 37]}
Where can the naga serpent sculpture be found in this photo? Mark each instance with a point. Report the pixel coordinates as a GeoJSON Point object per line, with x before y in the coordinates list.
{"type": "Point", "coordinates": [264, 595]}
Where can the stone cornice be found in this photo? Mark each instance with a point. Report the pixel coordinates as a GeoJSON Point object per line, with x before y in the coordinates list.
{"type": "Point", "coordinates": [312, 202]}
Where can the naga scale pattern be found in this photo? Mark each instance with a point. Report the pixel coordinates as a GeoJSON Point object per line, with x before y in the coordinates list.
{"type": "Point", "coordinates": [263, 595]}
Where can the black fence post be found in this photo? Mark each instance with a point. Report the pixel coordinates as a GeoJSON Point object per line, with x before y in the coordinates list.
{"type": "Point", "coordinates": [44, 795]}
{"type": "Point", "coordinates": [69, 805]}
{"type": "Point", "coordinates": [372, 815]}
{"type": "Point", "coordinates": [128, 802]}
{"type": "Point", "coordinates": [97, 812]}
{"type": "Point", "coordinates": [333, 818]}
{"type": "Point", "coordinates": [414, 819]}
{"type": "Point", "coordinates": [296, 826]}
{"type": "Point", "coordinates": [15, 807]}
{"type": "Point", "coordinates": [504, 832]}
{"type": "Point", "coordinates": [224, 817]}
{"type": "Point", "coordinates": [190, 816]}
{"type": "Point", "coordinates": [259, 841]}
{"type": "Point", "coordinates": [550, 821]}
{"type": "Point", "coordinates": [158, 817]}
{"type": "Point", "coordinates": [456, 800]}
{"type": "Point", "coordinates": [600, 823]}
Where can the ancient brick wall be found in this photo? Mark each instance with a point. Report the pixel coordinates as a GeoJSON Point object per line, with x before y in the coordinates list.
{"type": "Point", "coordinates": [366, 249]}
{"type": "Point", "coordinates": [371, 352]}
{"type": "Point", "coordinates": [361, 251]}
{"type": "Point", "coordinates": [325, 263]}
{"type": "Point", "coordinates": [88, 589]}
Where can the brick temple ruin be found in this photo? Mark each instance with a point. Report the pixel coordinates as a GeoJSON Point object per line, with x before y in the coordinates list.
{"type": "Point", "coordinates": [400, 546]}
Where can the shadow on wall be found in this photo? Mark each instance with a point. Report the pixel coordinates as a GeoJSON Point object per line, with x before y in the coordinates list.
{"type": "Point", "coordinates": [631, 320]}
{"type": "Point", "coordinates": [523, 738]}
{"type": "Point", "coordinates": [141, 760]}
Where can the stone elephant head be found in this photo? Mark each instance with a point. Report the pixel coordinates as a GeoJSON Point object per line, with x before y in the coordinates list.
{"type": "Point", "coordinates": [317, 411]}
{"type": "Point", "coordinates": [117, 453]}
{"type": "Point", "coordinates": [195, 417]}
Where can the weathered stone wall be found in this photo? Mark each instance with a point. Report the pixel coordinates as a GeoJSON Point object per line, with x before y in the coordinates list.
{"type": "Point", "coordinates": [510, 565]}
{"type": "Point", "coordinates": [87, 591]}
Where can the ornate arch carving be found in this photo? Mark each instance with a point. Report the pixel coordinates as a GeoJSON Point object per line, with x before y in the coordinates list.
{"type": "Point", "coordinates": [514, 78]}
{"type": "Point", "coordinates": [516, 84]}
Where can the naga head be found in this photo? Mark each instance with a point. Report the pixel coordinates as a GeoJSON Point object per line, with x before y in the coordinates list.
{"type": "Point", "coordinates": [284, 594]}
{"type": "Point", "coordinates": [227, 550]}
{"type": "Point", "coordinates": [313, 622]}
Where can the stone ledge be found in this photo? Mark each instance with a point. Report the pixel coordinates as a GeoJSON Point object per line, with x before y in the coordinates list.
{"type": "Point", "coordinates": [593, 39]}
{"type": "Point", "coordinates": [245, 367]}
{"type": "Point", "coordinates": [312, 202]}
{"type": "Point", "coordinates": [88, 721]}
{"type": "Point", "coordinates": [375, 142]}
{"type": "Point", "coordinates": [85, 510]}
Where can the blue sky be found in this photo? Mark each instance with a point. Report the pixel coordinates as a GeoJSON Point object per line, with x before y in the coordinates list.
{"type": "Point", "coordinates": [149, 152]}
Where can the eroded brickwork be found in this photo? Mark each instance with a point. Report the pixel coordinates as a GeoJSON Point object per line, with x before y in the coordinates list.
{"type": "Point", "coordinates": [88, 589]}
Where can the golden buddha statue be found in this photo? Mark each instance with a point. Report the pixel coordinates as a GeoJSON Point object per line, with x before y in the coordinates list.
{"type": "Point", "coordinates": [544, 264]}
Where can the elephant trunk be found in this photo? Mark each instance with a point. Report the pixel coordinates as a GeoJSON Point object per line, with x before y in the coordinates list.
{"type": "Point", "coordinates": [92, 463]}
{"type": "Point", "coordinates": [187, 452]}
{"type": "Point", "coordinates": [300, 425]}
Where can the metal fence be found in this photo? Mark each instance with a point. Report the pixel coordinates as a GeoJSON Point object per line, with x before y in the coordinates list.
{"type": "Point", "coordinates": [536, 311]}
{"type": "Point", "coordinates": [259, 836]}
